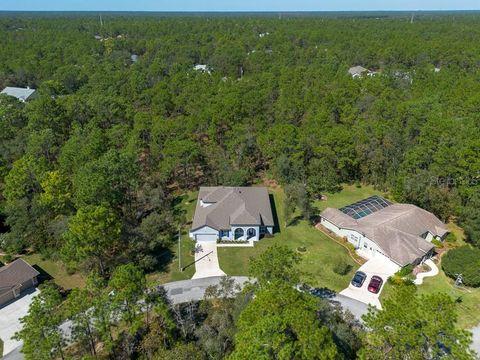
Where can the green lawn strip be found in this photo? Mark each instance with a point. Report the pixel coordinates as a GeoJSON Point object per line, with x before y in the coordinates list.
{"type": "Point", "coordinates": [186, 207]}
{"type": "Point", "coordinates": [317, 262]}
{"type": "Point", "coordinates": [1, 348]}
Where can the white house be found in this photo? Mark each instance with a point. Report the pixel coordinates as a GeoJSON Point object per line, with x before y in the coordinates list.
{"type": "Point", "coordinates": [375, 227]}
{"type": "Point", "coordinates": [22, 94]}
{"type": "Point", "coordinates": [232, 213]}
{"type": "Point", "coordinates": [202, 67]}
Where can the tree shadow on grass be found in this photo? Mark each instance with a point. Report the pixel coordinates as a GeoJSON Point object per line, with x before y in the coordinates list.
{"type": "Point", "coordinates": [276, 223]}
{"type": "Point", "coordinates": [44, 275]}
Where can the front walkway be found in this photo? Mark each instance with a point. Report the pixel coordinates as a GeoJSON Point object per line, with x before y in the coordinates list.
{"type": "Point", "coordinates": [422, 275]}
{"type": "Point", "coordinates": [379, 266]}
{"type": "Point", "coordinates": [206, 260]}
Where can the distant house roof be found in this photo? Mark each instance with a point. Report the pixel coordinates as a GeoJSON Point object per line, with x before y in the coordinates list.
{"type": "Point", "coordinates": [220, 207]}
{"type": "Point", "coordinates": [357, 70]}
{"type": "Point", "coordinates": [22, 94]}
{"type": "Point", "coordinates": [397, 229]}
{"type": "Point", "coordinates": [202, 67]}
{"type": "Point", "coordinates": [14, 274]}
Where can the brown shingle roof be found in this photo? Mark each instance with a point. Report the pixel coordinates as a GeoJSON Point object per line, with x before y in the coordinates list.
{"type": "Point", "coordinates": [396, 229]}
{"type": "Point", "coordinates": [225, 206]}
{"type": "Point", "coordinates": [15, 273]}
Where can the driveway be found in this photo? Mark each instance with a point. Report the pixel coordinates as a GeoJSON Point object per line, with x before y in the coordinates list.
{"type": "Point", "coordinates": [193, 290]}
{"type": "Point", "coordinates": [476, 340]}
{"type": "Point", "coordinates": [206, 260]}
{"type": "Point", "coordinates": [379, 266]}
{"type": "Point", "coordinates": [10, 319]}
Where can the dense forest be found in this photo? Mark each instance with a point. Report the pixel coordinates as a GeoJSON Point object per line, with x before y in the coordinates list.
{"type": "Point", "coordinates": [90, 170]}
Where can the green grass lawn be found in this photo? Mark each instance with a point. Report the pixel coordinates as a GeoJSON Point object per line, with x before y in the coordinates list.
{"type": "Point", "coordinates": [186, 207]}
{"type": "Point", "coordinates": [322, 253]}
{"type": "Point", "coordinates": [348, 195]}
{"type": "Point", "coordinates": [57, 271]}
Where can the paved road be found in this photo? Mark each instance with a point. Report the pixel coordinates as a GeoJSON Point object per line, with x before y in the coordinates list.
{"type": "Point", "coordinates": [194, 289]}
{"type": "Point", "coordinates": [476, 340]}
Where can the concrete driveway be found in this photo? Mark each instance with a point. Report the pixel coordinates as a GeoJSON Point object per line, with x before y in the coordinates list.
{"type": "Point", "coordinates": [206, 260]}
{"type": "Point", "coordinates": [379, 266]}
{"type": "Point", "coordinates": [10, 319]}
{"type": "Point", "coordinates": [193, 290]}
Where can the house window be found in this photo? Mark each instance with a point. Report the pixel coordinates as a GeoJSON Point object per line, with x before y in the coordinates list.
{"type": "Point", "coordinates": [262, 230]}
{"type": "Point", "coordinates": [251, 233]}
{"type": "Point", "coordinates": [365, 246]}
{"type": "Point", "coordinates": [238, 233]}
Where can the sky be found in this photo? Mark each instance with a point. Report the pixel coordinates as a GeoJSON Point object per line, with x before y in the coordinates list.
{"type": "Point", "coordinates": [236, 5]}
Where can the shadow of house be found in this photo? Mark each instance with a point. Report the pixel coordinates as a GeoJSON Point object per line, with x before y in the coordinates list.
{"type": "Point", "coordinates": [43, 276]}
{"type": "Point", "coordinates": [276, 226]}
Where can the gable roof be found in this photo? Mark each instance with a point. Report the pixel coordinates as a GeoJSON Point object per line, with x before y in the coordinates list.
{"type": "Point", "coordinates": [397, 229]}
{"type": "Point", "coordinates": [15, 273]}
{"type": "Point", "coordinates": [22, 94]}
{"type": "Point", "coordinates": [219, 207]}
{"type": "Point", "coordinates": [356, 70]}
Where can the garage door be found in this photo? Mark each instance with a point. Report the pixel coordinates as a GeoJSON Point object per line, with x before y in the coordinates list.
{"type": "Point", "coordinates": [206, 237]}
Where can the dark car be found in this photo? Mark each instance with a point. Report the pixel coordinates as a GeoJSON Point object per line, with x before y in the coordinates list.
{"type": "Point", "coordinates": [375, 284]}
{"type": "Point", "coordinates": [359, 279]}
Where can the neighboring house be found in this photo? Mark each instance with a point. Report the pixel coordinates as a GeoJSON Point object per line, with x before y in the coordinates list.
{"type": "Point", "coordinates": [15, 278]}
{"type": "Point", "coordinates": [202, 68]}
{"type": "Point", "coordinates": [22, 94]}
{"type": "Point", "coordinates": [376, 227]}
{"type": "Point", "coordinates": [357, 71]}
{"type": "Point", "coordinates": [232, 213]}
{"type": "Point", "coordinates": [134, 58]}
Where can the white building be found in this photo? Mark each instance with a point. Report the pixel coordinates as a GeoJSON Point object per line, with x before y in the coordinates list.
{"type": "Point", "coordinates": [202, 67]}
{"type": "Point", "coordinates": [232, 213]}
{"type": "Point", "coordinates": [22, 94]}
{"type": "Point", "coordinates": [375, 227]}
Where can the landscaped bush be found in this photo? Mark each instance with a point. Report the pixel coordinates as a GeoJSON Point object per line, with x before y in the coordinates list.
{"type": "Point", "coordinates": [341, 267]}
{"type": "Point", "coordinates": [451, 238]}
{"type": "Point", "coordinates": [404, 271]}
{"type": "Point", "coordinates": [437, 243]}
{"type": "Point", "coordinates": [464, 260]}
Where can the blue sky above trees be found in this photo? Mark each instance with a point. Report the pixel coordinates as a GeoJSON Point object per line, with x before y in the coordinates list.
{"type": "Point", "coordinates": [237, 5]}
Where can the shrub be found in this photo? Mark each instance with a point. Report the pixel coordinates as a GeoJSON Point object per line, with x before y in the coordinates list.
{"type": "Point", "coordinates": [8, 258]}
{"type": "Point", "coordinates": [341, 267]}
{"type": "Point", "coordinates": [437, 243]}
{"type": "Point", "coordinates": [464, 260]}
{"type": "Point", "coordinates": [451, 238]}
{"type": "Point", "coordinates": [404, 271]}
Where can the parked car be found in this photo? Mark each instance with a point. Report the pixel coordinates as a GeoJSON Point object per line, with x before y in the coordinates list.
{"type": "Point", "coordinates": [375, 284]}
{"type": "Point", "coordinates": [359, 279]}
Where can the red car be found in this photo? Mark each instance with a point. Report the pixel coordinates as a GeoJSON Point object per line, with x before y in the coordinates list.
{"type": "Point", "coordinates": [375, 284]}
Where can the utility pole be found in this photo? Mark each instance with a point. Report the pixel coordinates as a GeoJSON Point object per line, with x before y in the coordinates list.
{"type": "Point", "coordinates": [179, 249]}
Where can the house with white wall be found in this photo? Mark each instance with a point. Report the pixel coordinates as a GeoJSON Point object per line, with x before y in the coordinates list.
{"type": "Point", "coordinates": [232, 214]}
{"type": "Point", "coordinates": [22, 94]}
{"type": "Point", "coordinates": [376, 227]}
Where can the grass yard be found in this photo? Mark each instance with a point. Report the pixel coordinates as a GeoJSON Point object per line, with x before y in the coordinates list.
{"type": "Point", "coordinates": [348, 195]}
{"type": "Point", "coordinates": [186, 207]}
{"type": "Point", "coordinates": [322, 254]}
{"type": "Point", "coordinates": [55, 270]}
